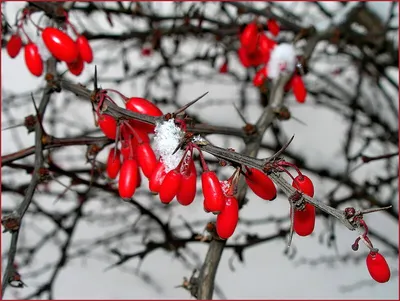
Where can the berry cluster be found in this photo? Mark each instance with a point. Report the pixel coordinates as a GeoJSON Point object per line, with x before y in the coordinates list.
{"type": "Point", "coordinates": [257, 49]}
{"type": "Point", "coordinates": [169, 166]}
{"type": "Point", "coordinates": [56, 43]}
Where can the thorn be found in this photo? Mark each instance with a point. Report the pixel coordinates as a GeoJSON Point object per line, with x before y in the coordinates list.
{"type": "Point", "coordinates": [95, 78]}
{"type": "Point", "coordinates": [12, 127]}
{"type": "Point", "coordinates": [240, 114]}
{"type": "Point", "coordinates": [375, 209]}
{"type": "Point", "coordinates": [298, 120]}
{"type": "Point", "coordinates": [188, 105]}
{"type": "Point", "coordinates": [39, 119]}
{"type": "Point", "coordinates": [291, 224]}
{"type": "Point", "coordinates": [277, 154]}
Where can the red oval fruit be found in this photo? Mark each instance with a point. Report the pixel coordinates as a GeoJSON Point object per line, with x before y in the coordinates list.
{"type": "Point", "coordinates": [187, 191]}
{"type": "Point", "coordinates": [299, 89]}
{"type": "Point", "coordinates": [140, 136]}
{"type": "Point", "coordinates": [170, 186]}
{"type": "Point", "coordinates": [127, 149]}
{"type": "Point", "coordinates": [261, 184]}
{"type": "Point", "coordinates": [76, 67]}
{"type": "Point", "coordinates": [248, 38]}
{"type": "Point", "coordinates": [146, 158]}
{"type": "Point", "coordinates": [113, 163]}
{"type": "Point", "coordinates": [378, 267]}
{"type": "Point", "coordinates": [143, 106]}
{"type": "Point", "coordinates": [108, 125]}
{"type": "Point", "coordinates": [60, 45]}
{"type": "Point", "coordinates": [33, 60]}
{"type": "Point", "coordinates": [273, 27]}
{"type": "Point", "coordinates": [228, 219]}
{"type": "Point", "coordinates": [304, 220]}
{"type": "Point", "coordinates": [243, 57]}
{"type": "Point", "coordinates": [304, 184]}
{"type": "Point", "coordinates": [128, 179]}
{"type": "Point", "coordinates": [157, 177]}
{"type": "Point", "coordinates": [214, 198]}
{"type": "Point", "coordinates": [84, 49]}
{"type": "Point", "coordinates": [14, 45]}
{"type": "Point", "coordinates": [260, 77]}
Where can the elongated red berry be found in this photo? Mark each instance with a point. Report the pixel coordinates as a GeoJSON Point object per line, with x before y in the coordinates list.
{"type": "Point", "coordinates": [260, 77]}
{"type": "Point", "coordinates": [84, 49]}
{"type": "Point", "coordinates": [127, 149]}
{"type": "Point", "coordinates": [261, 184]}
{"type": "Point", "coordinates": [76, 67]}
{"type": "Point", "coordinates": [113, 163]}
{"type": "Point", "coordinates": [128, 178]}
{"type": "Point", "coordinates": [304, 184]}
{"type": "Point", "coordinates": [143, 106]}
{"type": "Point", "coordinates": [108, 125]}
{"type": "Point", "coordinates": [146, 158]}
{"type": "Point", "coordinates": [228, 219]}
{"type": "Point", "coordinates": [273, 27]}
{"type": "Point", "coordinates": [14, 45]}
{"type": "Point", "coordinates": [243, 57]}
{"type": "Point", "coordinates": [60, 45]}
{"type": "Point", "coordinates": [170, 186]}
{"type": "Point", "coordinates": [299, 89]}
{"type": "Point", "coordinates": [304, 220]}
{"type": "Point", "coordinates": [33, 59]}
{"type": "Point", "coordinates": [157, 177]}
{"type": "Point", "coordinates": [187, 191]}
{"type": "Point", "coordinates": [248, 38]}
{"type": "Point", "coordinates": [378, 267]}
{"type": "Point", "coordinates": [214, 198]}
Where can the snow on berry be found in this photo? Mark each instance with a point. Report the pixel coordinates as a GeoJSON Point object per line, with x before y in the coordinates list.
{"type": "Point", "coordinates": [166, 139]}
{"type": "Point", "coordinates": [283, 59]}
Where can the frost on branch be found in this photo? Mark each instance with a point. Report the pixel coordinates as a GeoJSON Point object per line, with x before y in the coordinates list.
{"type": "Point", "coordinates": [283, 59]}
{"type": "Point", "coordinates": [166, 139]}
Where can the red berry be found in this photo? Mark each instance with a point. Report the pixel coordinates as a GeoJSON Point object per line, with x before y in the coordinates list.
{"type": "Point", "coordinates": [243, 57]}
{"type": "Point", "coordinates": [224, 68]}
{"type": "Point", "coordinates": [142, 136]}
{"type": "Point", "coordinates": [60, 45]}
{"type": "Point", "coordinates": [214, 198]}
{"type": "Point", "coordinates": [248, 38]}
{"type": "Point", "coordinates": [108, 125]}
{"type": "Point", "coordinates": [299, 89]}
{"type": "Point", "coordinates": [157, 177]}
{"type": "Point", "coordinates": [260, 77]}
{"type": "Point", "coordinates": [33, 59]}
{"type": "Point", "coordinates": [187, 191]}
{"type": "Point", "coordinates": [146, 158]}
{"type": "Point", "coordinates": [143, 106]}
{"type": "Point", "coordinates": [273, 27]}
{"type": "Point", "coordinates": [127, 149]}
{"type": "Point", "coordinates": [227, 220]}
{"type": "Point", "coordinates": [304, 184]}
{"type": "Point", "coordinates": [84, 49]}
{"type": "Point", "coordinates": [76, 67]}
{"type": "Point", "coordinates": [304, 220]}
{"type": "Point", "coordinates": [14, 45]}
{"type": "Point", "coordinates": [113, 163]}
{"type": "Point", "coordinates": [128, 179]}
{"type": "Point", "coordinates": [170, 186]}
{"type": "Point", "coordinates": [378, 267]}
{"type": "Point", "coordinates": [261, 184]}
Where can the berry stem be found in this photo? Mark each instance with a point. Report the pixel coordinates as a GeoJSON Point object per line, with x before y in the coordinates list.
{"type": "Point", "coordinates": [124, 98]}
{"type": "Point", "coordinates": [202, 160]}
